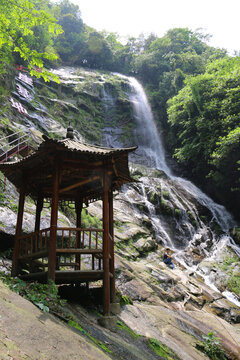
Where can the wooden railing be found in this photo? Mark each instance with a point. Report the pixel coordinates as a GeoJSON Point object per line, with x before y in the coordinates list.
{"type": "Point", "coordinates": [77, 248]}
{"type": "Point", "coordinates": [33, 245]}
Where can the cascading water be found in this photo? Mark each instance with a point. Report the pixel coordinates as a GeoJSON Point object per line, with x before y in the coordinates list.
{"type": "Point", "coordinates": [148, 140]}
{"type": "Point", "coordinates": [150, 145]}
{"type": "Point", "coordinates": [183, 193]}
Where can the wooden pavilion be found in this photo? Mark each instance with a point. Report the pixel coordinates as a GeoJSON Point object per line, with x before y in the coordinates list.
{"type": "Point", "coordinates": [68, 171]}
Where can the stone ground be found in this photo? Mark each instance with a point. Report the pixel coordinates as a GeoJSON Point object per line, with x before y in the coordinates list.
{"type": "Point", "coordinates": [26, 333]}
{"type": "Point", "coordinates": [170, 306]}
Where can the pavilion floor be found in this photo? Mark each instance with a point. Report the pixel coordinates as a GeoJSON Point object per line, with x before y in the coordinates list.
{"type": "Point", "coordinates": [66, 277]}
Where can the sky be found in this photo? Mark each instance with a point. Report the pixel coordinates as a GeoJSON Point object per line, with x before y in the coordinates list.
{"type": "Point", "coordinates": [219, 18]}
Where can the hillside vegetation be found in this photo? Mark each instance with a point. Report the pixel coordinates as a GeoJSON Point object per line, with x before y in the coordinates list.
{"type": "Point", "coordinates": [193, 88]}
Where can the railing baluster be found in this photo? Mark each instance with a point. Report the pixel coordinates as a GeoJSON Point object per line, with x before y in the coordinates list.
{"type": "Point", "coordinates": [36, 242]}
{"type": "Point", "coordinates": [69, 239]}
{"type": "Point", "coordinates": [31, 249]}
{"type": "Point", "coordinates": [40, 240]}
{"type": "Point", "coordinates": [90, 239]}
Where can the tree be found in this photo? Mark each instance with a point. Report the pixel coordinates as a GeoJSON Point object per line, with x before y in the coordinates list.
{"type": "Point", "coordinates": [204, 126]}
{"type": "Point", "coordinates": [20, 21]}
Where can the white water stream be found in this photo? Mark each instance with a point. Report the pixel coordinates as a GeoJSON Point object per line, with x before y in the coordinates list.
{"type": "Point", "coordinates": [151, 153]}
{"type": "Point", "coordinates": [150, 145]}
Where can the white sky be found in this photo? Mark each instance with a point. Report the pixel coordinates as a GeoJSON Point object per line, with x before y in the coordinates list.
{"type": "Point", "coordinates": [219, 18]}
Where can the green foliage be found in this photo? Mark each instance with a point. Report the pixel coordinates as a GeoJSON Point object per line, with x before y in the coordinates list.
{"type": "Point", "coordinates": [234, 283]}
{"type": "Point", "coordinates": [125, 300]}
{"type": "Point", "coordinates": [191, 218]}
{"type": "Point", "coordinates": [2, 192]}
{"type": "Point", "coordinates": [233, 276]}
{"type": "Point", "coordinates": [211, 347]}
{"type": "Point", "coordinates": [22, 28]}
{"type": "Point", "coordinates": [228, 261]}
{"type": "Point", "coordinates": [44, 296]}
{"type": "Point", "coordinates": [166, 194]}
{"type": "Point", "coordinates": [161, 350]}
{"type": "Point", "coordinates": [90, 221]}
{"type": "Point", "coordinates": [177, 212]}
{"type": "Point", "coordinates": [204, 119]}
{"type": "Point", "coordinates": [225, 159]}
{"type": "Point", "coordinates": [167, 210]}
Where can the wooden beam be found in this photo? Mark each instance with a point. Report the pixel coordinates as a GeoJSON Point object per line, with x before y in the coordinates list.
{"type": "Point", "coordinates": [36, 255]}
{"type": "Point", "coordinates": [39, 208]}
{"type": "Point", "coordinates": [78, 209]}
{"type": "Point", "coordinates": [83, 182]}
{"type": "Point", "coordinates": [15, 263]}
{"type": "Point", "coordinates": [79, 251]}
{"type": "Point", "coordinates": [111, 232]}
{"type": "Point", "coordinates": [81, 165]}
{"type": "Point", "coordinates": [106, 278]}
{"type": "Point", "coordinates": [53, 227]}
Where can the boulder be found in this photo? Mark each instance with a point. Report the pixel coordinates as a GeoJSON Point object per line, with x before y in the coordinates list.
{"type": "Point", "coordinates": [226, 310]}
{"type": "Point", "coordinates": [136, 290]}
{"type": "Point", "coordinates": [145, 245]}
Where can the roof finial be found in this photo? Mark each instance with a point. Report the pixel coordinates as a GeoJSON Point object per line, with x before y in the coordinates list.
{"type": "Point", "coordinates": [70, 134]}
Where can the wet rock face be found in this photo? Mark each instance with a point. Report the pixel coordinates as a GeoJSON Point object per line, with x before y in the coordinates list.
{"type": "Point", "coordinates": [235, 232]}
{"type": "Point", "coordinates": [226, 310]}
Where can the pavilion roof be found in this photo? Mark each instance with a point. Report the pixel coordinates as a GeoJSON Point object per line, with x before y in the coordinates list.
{"type": "Point", "coordinates": [81, 167]}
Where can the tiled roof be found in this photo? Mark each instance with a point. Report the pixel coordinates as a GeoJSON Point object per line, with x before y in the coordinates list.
{"type": "Point", "coordinates": [88, 148]}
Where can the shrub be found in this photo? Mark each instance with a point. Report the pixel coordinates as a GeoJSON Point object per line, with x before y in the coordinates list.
{"type": "Point", "coordinates": [211, 347]}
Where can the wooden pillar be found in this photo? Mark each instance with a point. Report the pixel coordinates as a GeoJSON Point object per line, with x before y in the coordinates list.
{"type": "Point", "coordinates": [111, 232]}
{"type": "Point", "coordinates": [78, 208]}
{"type": "Point", "coordinates": [15, 263]}
{"type": "Point", "coordinates": [39, 208]}
{"type": "Point", "coordinates": [53, 226]}
{"type": "Point", "coordinates": [106, 278]}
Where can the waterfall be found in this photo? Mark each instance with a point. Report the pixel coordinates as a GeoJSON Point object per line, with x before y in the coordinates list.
{"type": "Point", "coordinates": [183, 192]}
{"type": "Point", "coordinates": [150, 145]}
{"type": "Point", "coordinates": [148, 139]}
